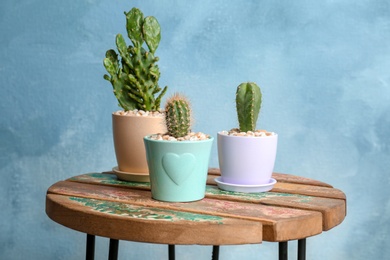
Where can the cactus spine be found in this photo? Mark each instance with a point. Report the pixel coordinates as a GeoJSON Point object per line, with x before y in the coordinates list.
{"type": "Point", "coordinates": [248, 104]}
{"type": "Point", "coordinates": [135, 77]}
{"type": "Point", "coordinates": [178, 116]}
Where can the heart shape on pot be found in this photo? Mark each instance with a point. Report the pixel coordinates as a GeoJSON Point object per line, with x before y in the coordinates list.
{"type": "Point", "coordinates": [178, 167]}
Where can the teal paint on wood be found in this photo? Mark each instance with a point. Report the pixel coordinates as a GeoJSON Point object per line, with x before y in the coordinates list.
{"type": "Point", "coordinates": [213, 190]}
{"type": "Point", "coordinates": [144, 212]}
{"type": "Point", "coordinates": [111, 179]}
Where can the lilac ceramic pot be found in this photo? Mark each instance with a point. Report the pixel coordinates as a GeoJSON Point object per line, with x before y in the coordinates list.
{"type": "Point", "coordinates": [246, 160]}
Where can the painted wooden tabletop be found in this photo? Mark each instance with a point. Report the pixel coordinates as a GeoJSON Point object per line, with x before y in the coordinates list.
{"type": "Point", "coordinates": [100, 204]}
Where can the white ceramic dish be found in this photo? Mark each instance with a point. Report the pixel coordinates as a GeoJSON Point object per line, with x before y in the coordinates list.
{"type": "Point", "coordinates": [128, 176]}
{"type": "Point", "coordinates": [245, 188]}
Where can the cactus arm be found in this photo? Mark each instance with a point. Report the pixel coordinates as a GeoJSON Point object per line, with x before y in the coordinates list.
{"type": "Point", "coordinates": [134, 21]}
{"type": "Point", "coordinates": [138, 94]}
{"type": "Point", "coordinates": [122, 48]}
{"type": "Point", "coordinates": [152, 33]}
{"type": "Point", "coordinates": [118, 82]}
{"type": "Point", "coordinates": [159, 97]}
{"type": "Point", "coordinates": [162, 93]}
{"type": "Point", "coordinates": [248, 104]}
{"type": "Point", "coordinates": [110, 67]}
{"type": "Point", "coordinates": [178, 116]}
{"type": "Point", "coordinates": [106, 77]}
{"type": "Point", "coordinates": [111, 62]}
{"type": "Point", "coordinates": [156, 90]}
{"type": "Point", "coordinates": [154, 72]}
{"type": "Point", "coordinates": [143, 96]}
{"type": "Point", "coordinates": [113, 57]}
{"type": "Point", "coordinates": [125, 101]}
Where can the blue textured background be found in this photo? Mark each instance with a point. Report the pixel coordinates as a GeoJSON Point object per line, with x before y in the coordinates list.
{"type": "Point", "coordinates": [323, 67]}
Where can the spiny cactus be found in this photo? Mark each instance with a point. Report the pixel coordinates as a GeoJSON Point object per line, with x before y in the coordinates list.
{"type": "Point", "coordinates": [178, 116]}
{"type": "Point", "coordinates": [135, 77]}
{"type": "Point", "coordinates": [248, 103]}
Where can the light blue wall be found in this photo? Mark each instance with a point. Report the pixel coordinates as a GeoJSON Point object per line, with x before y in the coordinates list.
{"type": "Point", "coordinates": [323, 67]}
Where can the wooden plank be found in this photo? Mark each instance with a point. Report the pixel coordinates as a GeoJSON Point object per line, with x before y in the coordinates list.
{"type": "Point", "coordinates": [283, 177]}
{"type": "Point", "coordinates": [279, 223]}
{"type": "Point", "coordinates": [145, 224]}
{"type": "Point", "coordinates": [108, 178]}
{"type": "Point", "coordinates": [210, 180]}
{"type": "Point", "coordinates": [310, 190]}
{"type": "Point", "coordinates": [332, 210]}
{"type": "Point", "coordinates": [280, 177]}
{"type": "Point", "coordinates": [214, 171]}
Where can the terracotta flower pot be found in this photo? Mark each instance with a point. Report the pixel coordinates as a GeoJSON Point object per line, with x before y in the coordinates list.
{"type": "Point", "coordinates": [178, 169]}
{"type": "Point", "coordinates": [128, 133]}
{"type": "Point", "coordinates": [246, 160]}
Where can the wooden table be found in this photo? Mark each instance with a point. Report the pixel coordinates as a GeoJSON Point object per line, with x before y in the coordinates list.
{"type": "Point", "coordinates": [100, 205]}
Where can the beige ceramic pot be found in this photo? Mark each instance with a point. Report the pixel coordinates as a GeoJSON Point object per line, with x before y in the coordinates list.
{"type": "Point", "coordinates": [128, 133]}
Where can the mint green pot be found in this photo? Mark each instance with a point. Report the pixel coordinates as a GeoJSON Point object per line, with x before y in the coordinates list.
{"type": "Point", "coordinates": [178, 169]}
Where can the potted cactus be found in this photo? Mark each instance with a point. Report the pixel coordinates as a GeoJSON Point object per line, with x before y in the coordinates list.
{"type": "Point", "coordinates": [246, 155]}
{"type": "Point", "coordinates": [178, 160]}
{"type": "Point", "coordinates": [134, 75]}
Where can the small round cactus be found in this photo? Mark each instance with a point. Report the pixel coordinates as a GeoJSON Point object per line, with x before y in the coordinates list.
{"type": "Point", "coordinates": [178, 116]}
{"type": "Point", "coordinates": [248, 104]}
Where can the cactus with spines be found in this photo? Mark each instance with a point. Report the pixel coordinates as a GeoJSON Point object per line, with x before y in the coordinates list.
{"type": "Point", "coordinates": [178, 116]}
{"type": "Point", "coordinates": [135, 76]}
{"type": "Point", "coordinates": [248, 104]}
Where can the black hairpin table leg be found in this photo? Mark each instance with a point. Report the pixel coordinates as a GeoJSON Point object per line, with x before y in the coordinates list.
{"type": "Point", "coordinates": [283, 250]}
{"type": "Point", "coordinates": [215, 255]}
{"type": "Point", "coordinates": [113, 251]}
{"type": "Point", "coordinates": [90, 254]}
{"type": "Point", "coordinates": [171, 252]}
{"type": "Point", "coordinates": [302, 249]}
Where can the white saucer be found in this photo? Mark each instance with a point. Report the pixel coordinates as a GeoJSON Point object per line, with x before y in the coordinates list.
{"type": "Point", "coordinates": [245, 188]}
{"type": "Point", "coordinates": [129, 176]}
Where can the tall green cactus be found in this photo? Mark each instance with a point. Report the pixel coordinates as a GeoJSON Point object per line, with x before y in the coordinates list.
{"type": "Point", "coordinates": [178, 116]}
{"type": "Point", "coordinates": [135, 77]}
{"type": "Point", "coordinates": [248, 104]}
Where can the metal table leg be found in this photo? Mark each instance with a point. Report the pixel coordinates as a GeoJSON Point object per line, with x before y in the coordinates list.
{"type": "Point", "coordinates": [171, 252]}
{"type": "Point", "coordinates": [283, 250]}
{"type": "Point", "coordinates": [302, 249]}
{"type": "Point", "coordinates": [113, 251]}
{"type": "Point", "coordinates": [215, 255]}
{"type": "Point", "coordinates": [90, 253]}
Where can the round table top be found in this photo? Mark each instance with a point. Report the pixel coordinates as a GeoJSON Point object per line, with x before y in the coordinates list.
{"type": "Point", "coordinates": [100, 204]}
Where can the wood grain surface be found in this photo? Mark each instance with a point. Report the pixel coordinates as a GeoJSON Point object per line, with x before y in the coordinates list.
{"type": "Point", "coordinates": [100, 204]}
